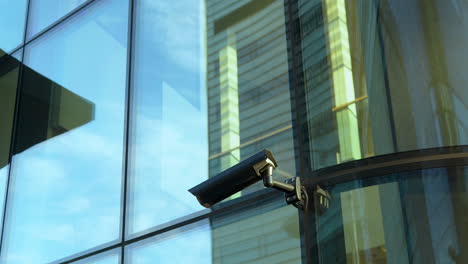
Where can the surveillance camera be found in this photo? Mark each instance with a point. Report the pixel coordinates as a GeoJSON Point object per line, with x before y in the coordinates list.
{"type": "Point", "coordinates": [234, 179]}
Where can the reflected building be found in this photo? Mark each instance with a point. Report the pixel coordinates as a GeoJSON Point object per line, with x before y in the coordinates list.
{"type": "Point", "coordinates": [249, 108]}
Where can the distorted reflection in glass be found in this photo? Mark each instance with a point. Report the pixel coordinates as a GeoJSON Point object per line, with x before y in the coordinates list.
{"type": "Point", "coordinates": [267, 233]}
{"type": "Point", "coordinates": [67, 172]}
{"type": "Point", "coordinates": [379, 78]}
{"type": "Point", "coordinates": [424, 42]}
{"type": "Point", "coordinates": [43, 13]}
{"type": "Point", "coordinates": [108, 257]}
{"type": "Point", "coordinates": [12, 20]}
{"type": "Point", "coordinates": [190, 244]}
{"type": "Point", "coordinates": [248, 86]}
{"type": "Point", "coordinates": [414, 217]}
{"type": "Point", "coordinates": [169, 128]}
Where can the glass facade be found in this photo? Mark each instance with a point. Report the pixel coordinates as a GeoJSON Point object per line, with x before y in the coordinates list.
{"type": "Point", "coordinates": [411, 217]}
{"type": "Point", "coordinates": [110, 110]}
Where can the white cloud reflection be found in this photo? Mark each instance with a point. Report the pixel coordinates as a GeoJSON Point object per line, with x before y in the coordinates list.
{"type": "Point", "coordinates": [66, 191]}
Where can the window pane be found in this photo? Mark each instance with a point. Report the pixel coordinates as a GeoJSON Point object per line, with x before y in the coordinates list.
{"type": "Point", "coordinates": [174, 126]}
{"type": "Point", "coordinates": [412, 217]}
{"type": "Point", "coordinates": [378, 77]}
{"type": "Point", "coordinates": [9, 69]}
{"type": "Point", "coordinates": [43, 13]}
{"type": "Point", "coordinates": [248, 85]}
{"type": "Point", "coordinates": [169, 138]}
{"type": "Point", "coordinates": [67, 169]}
{"type": "Point", "coordinates": [110, 257]}
{"type": "Point", "coordinates": [17, 55]}
{"type": "Point", "coordinates": [12, 19]}
{"type": "Point", "coordinates": [190, 244]}
{"type": "Point", "coordinates": [264, 233]}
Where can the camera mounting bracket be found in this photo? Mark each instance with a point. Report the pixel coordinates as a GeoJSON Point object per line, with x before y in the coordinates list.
{"type": "Point", "coordinates": [295, 193]}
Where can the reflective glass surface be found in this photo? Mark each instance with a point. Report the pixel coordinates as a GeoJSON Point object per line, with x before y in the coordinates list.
{"type": "Point", "coordinates": [9, 69]}
{"type": "Point", "coordinates": [413, 217]}
{"type": "Point", "coordinates": [65, 189]}
{"type": "Point", "coordinates": [12, 24]}
{"type": "Point", "coordinates": [17, 55]}
{"type": "Point", "coordinates": [169, 148]}
{"type": "Point", "coordinates": [377, 78]}
{"type": "Point", "coordinates": [248, 85]}
{"type": "Point", "coordinates": [318, 82]}
{"type": "Point", "coordinates": [265, 234]}
{"type": "Point", "coordinates": [108, 257]}
{"type": "Point", "coordinates": [229, 105]}
{"type": "Point", "coordinates": [43, 13]}
{"type": "Point", "coordinates": [176, 246]}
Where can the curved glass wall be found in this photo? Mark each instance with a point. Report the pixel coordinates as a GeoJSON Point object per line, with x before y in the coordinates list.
{"type": "Point", "coordinates": [380, 78]}
{"type": "Point", "coordinates": [410, 217]}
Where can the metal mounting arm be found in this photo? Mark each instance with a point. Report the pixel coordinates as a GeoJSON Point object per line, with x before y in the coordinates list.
{"type": "Point", "coordinates": [295, 194]}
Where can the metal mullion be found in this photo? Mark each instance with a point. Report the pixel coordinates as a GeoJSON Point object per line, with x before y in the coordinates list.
{"type": "Point", "coordinates": [59, 21]}
{"type": "Point", "coordinates": [14, 126]}
{"type": "Point", "coordinates": [127, 133]}
{"type": "Point", "coordinates": [297, 96]}
{"type": "Point", "coordinates": [53, 25]}
{"type": "Point", "coordinates": [16, 49]}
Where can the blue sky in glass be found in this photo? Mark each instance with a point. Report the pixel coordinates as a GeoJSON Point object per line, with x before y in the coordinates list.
{"type": "Point", "coordinates": [66, 192]}
{"type": "Point", "coordinates": [110, 257]}
{"type": "Point", "coordinates": [190, 246]}
{"type": "Point", "coordinates": [3, 182]}
{"type": "Point", "coordinates": [169, 126]}
{"type": "Point", "coordinates": [17, 54]}
{"type": "Point", "coordinates": [12, 19]}
{"type": "Point", "coordinates": [43, 13]}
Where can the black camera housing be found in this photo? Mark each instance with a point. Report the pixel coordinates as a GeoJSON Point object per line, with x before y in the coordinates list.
{"type": "Point", "coordinates": [233, 179]}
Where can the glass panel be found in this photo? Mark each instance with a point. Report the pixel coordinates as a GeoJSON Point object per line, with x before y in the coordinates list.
{"type": "Point", "coordinates": [169, 137]}
{"type": "Point", "coordinates": [12, 20]}
{"type": "Point", "coordinates": [366, 83]}
{"type": "Point", "coordinates": [425, 42]}
{"type": "Point", "coordinates": [109, 257]}
{"type": "Point", "coordinates": [413, 217]}
{"type": "Point", "coordinates": [247, 89]}
{"type": "Point", "coordinates": [67, 169]}
{"type": "Point", "coordinates": [17, 55]}
{"type": "Point", "coordinates": [43, 13]}
{"type": "Point", "coordinates": [190, 244]}
{"type": "Point", "coordinates": [248, 85]}
{"type": "Point", "coordinates": [9, 69]}
{"type": "Point", "coordinates": [267, 233]}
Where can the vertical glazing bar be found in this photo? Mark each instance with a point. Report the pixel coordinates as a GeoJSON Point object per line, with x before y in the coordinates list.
{"type": "Point", "coordinates": [128, 113]}
{"type": "Point", "coordinates": [387, 85]}
{"type": "Point", "coordinates": [15, 124]}
{"type": "Point", "coordinates": [297, 93]}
